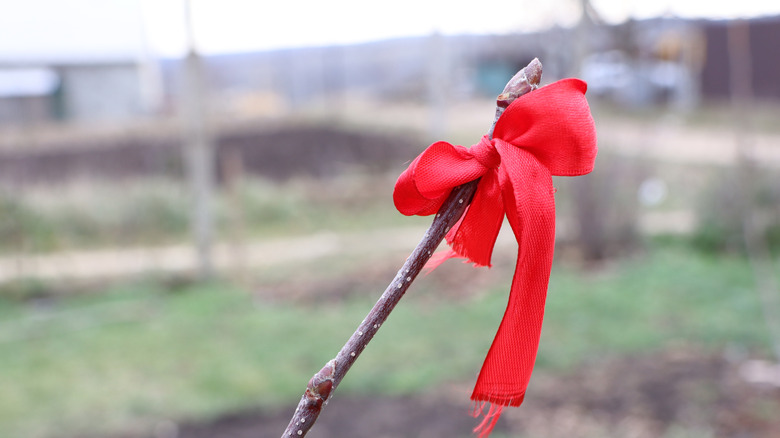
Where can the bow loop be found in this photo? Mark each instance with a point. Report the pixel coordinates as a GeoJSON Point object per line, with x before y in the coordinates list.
{"type": "Point", "coordinates": [553, 123]}
{"type": "Point", "coordinates": [423, 187]}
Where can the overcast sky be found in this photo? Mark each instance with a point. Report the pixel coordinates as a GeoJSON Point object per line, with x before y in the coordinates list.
{"type": "Point", "coordinates": [87, 29]}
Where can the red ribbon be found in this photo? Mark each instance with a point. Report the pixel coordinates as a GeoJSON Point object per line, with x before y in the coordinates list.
{"type": "Point", "coordinates": [546, 132]}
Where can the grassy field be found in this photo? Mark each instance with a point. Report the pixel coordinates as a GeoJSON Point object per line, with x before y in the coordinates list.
{"type": "Point", "coordinates": [140, 352]}
{"type": "Point", "coordinates": [123, 357]}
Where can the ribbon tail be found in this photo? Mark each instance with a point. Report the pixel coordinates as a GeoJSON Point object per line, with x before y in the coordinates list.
{"type": "Point", "coordinates": [530, 209]}
{"type": "Point", "coordinates": [474, 236]}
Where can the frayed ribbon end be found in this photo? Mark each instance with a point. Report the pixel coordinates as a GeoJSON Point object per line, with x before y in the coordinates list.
{"type": "Point", "coordinates": [439, 258]}
{"type": "Point", "coordinates": [485, 427]}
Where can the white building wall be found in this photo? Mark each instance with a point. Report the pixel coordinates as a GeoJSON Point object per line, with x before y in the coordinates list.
{"type": "Point", "coordinates": [101, 92]}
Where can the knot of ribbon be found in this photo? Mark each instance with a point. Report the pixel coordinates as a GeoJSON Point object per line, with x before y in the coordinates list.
{"type": "Point", "coordinates": [546, 132]}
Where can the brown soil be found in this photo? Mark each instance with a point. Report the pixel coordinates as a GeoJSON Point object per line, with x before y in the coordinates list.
{"type": "Point", "coordinates": [657, 396]}
{"type": "Point", "coordinates": [276, 153]}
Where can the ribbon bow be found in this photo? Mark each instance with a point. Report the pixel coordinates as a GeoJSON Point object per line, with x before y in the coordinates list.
{"type": "Point", "coordinates": [546, 132]}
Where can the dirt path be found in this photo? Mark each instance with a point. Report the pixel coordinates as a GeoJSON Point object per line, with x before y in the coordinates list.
{"type": "Point", "coordinates": [681, 144]}
{"type": "Point", "coordinates": [121, 262]}
{"type": "Point", "coordinates": [181, 258]}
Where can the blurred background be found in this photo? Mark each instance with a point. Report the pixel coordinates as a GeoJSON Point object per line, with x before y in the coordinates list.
{"type": "Point", "coordinates": [196, 213]}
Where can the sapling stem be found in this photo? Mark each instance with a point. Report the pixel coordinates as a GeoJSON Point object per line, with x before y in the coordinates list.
{"type": "Point", "coordinates": [325, 381]}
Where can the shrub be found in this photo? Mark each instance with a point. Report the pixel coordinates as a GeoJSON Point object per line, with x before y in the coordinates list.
{"type": "Point", "coordinates": [724, 204]}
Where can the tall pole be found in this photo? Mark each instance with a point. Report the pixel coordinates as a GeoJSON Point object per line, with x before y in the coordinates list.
{"type": "Point", "coordinates": [436, 84]}
{"type": "Point", "coordinates": [150, 77]}
{"type": "Point", "coordinates": [198, 152]}
{"type": "Point", "coordinates": [753, 233]}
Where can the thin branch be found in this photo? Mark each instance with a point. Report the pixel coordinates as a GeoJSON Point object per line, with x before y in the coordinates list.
{"type": "Point", "coordinates": [324, 382]}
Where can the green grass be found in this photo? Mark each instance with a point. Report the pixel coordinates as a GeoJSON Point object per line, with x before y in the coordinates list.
{"type": "Point", "coordinates": [671, 296]}
{"type": "Point", "coordinates": [140, 352]}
